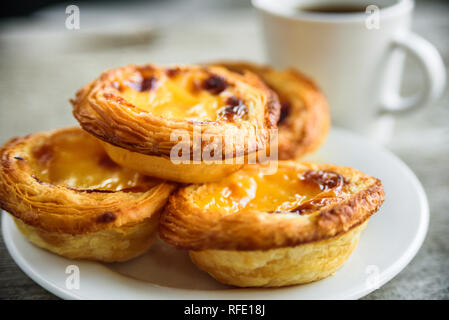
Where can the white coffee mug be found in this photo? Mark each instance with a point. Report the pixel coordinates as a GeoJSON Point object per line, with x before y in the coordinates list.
{"type": "Point", "coordinates": [356, 58]}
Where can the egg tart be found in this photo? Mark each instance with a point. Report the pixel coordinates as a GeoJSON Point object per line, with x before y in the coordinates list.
{"type": "Point", "coordinates": [67, 196]}
{"type": "Point", "coordinates": [255, 229]}
{"type": "Point", "coordinates": [304, 121]}
{"type": "Point", "coordinates": [180, 122]}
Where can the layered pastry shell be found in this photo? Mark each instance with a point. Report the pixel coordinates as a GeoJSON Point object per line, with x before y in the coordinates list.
{"type": "Point", "coordinates": [256, 229]}
{"type": "Point", "coordinates": [305, 120]}
{"type": "Point", "coordinates": [68, 197]}
{"type": "Point", "coordinates": [148, 115]}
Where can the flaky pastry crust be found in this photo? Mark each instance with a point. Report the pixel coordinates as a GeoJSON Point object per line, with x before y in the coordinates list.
{"type": "Point", "coordinates": [72, 220]}
{"type": "Point", "coordinates": [305, 119]}
{"type": "Point", "coordinates": [162, 167]}
{"type": "Point", "coordinates": [108, 245]}
{"type": "Point", "coordinates": [279, 267]}
{"type": "Point", "coordinates": [186, 225]}
{"type": "Point", "coordinates": [102, 109]}
{"type": "Point", "coordinates": [257, 248]}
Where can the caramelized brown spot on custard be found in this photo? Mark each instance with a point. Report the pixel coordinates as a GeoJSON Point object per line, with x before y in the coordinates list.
{"type": "Point", "coordinates": [326, 180]}
{"type": "Point", "coordinates": [234, 109]}
{"type": "Point", "coordinates": [215, 84]}
{"type": "Point", "coordinates": [231, 113]}
{"type": "Point", "coordinates": [146, 84]}
{"type": "Point", "coordinates": [312, 205]}
{"type": "Point", "coordinates": [285, 111]}
{"type": "Point", "coordinates": [172, 72]}
{"type": "Point", "coordinates": [233, 101]}
{"type": "Point", "coordinates": [106, 217]}
{"type": "Point", "coordinates": [330, 184]}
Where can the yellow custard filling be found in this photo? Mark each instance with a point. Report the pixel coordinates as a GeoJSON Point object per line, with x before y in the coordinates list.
{"type": "Point", "coordinates": [181, 97]}
{"type": "Point", "coordinates": [253, 189]}
{"type": "Point", "coordinates": [78, 160]}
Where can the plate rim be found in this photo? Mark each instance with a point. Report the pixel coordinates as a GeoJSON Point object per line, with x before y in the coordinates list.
{"type": "Point", "coordinates": [19, 259]}
{"type": "Point", "coordinates": [400, 263]}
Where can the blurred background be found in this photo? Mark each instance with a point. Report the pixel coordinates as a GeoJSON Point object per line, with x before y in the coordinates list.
{"type": "Point", "coordinates": [43, 63]}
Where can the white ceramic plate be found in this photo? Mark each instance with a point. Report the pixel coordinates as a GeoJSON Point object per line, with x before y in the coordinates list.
{"type": "Point", "coordinates": [391, 240]}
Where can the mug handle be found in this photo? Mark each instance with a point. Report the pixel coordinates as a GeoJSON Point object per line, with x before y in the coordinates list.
{"type": "Point", "coordinates": [433, 68]}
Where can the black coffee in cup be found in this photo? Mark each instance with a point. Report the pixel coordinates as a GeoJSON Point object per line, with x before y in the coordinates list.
{"type": "Point", "coordinates": [333, 8]}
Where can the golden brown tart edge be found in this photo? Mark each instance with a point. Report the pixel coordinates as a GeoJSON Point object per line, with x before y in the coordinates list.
{"type": "Point", "coordinates": [104, 111]}
{"type": "Point", "coordinates": [187, 226]}
{"type": "Point", "coordinates": [76, 222]}
{"type": "Point", "coordinates": [304, 120]}
{"type": "Point", "coordinates": [255, 248]}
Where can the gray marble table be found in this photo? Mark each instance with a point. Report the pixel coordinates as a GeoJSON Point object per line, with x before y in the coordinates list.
{"type": "Point", "coordinates": [42, 64]}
